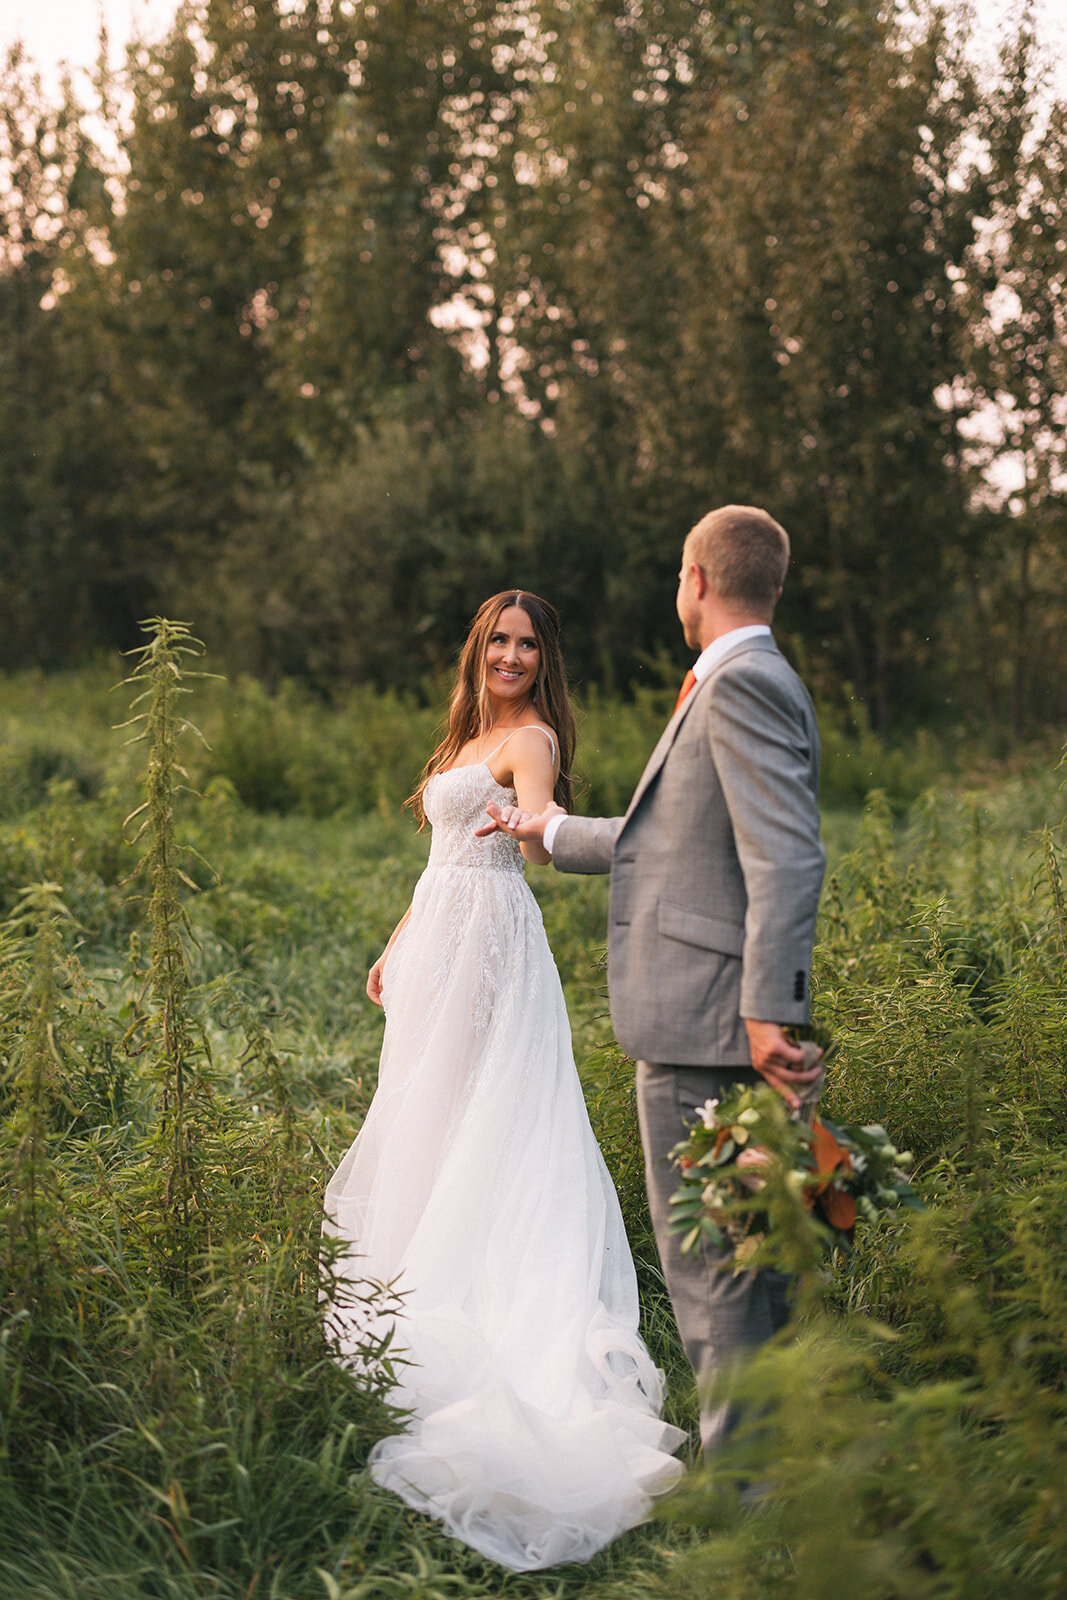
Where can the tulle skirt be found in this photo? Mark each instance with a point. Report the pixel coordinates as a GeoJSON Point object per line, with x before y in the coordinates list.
{"type": "Point", "coordinates": [476, 1188]}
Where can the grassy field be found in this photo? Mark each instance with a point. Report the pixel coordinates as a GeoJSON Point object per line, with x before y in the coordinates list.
{"type": "Point", "coordinates": [170, 1422]}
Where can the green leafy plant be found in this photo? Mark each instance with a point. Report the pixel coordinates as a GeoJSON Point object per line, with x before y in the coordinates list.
{"type": "Point", "coordinates": [32, 964]}
{"type": "Point", "coordinates": [167, 1027]}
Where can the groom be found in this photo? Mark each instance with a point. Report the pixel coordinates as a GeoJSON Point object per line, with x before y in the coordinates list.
{"type": "Point", "coordinates": [715, 870]}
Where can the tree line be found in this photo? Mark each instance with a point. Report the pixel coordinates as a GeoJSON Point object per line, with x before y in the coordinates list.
{"type": "Point", "coordinates": [327, 318]}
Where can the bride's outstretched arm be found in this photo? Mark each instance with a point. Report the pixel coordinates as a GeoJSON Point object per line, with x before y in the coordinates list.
{"type": "Point", "coordinates": [532, 761]}
{"type": "Point", "coordinates": [374, 976]}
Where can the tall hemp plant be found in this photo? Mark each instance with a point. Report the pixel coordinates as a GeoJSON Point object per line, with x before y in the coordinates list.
{"type": "Point", "coordinates": [31, 956]}
{"type": "Point", "coordinates": [166, 1026]}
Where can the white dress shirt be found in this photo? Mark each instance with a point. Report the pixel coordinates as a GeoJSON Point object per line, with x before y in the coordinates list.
{"type": "Point", "coordinates": [709, 657]}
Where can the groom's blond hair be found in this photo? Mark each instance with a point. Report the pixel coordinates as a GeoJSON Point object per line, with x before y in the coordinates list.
{"type": "Point", "coordinates": [744, 554]}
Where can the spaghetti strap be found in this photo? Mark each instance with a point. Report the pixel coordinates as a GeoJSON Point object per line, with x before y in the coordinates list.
{"type": "Point", "coordinates": [548, 736]}
{"type": "Point", "coordinates": [485, 762]}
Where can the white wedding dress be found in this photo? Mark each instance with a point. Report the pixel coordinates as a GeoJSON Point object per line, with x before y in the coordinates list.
{"type": "Point", "coordinates": [476, 1187]}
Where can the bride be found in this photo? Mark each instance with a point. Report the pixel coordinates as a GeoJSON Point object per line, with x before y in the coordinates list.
{"type": "Point", "coordinates": [475, 1186]}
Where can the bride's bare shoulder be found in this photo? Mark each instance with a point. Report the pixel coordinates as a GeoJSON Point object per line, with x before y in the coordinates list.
{"type": "Point", "coordinates": [536, 739]}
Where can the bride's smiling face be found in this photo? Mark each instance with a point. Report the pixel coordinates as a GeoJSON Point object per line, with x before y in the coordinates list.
{"type": "Point", "coordinates": [512, 656]}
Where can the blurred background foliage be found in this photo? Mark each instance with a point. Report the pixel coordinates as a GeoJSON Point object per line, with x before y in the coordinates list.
{"type": "Point", "coordinates": [327, 318]}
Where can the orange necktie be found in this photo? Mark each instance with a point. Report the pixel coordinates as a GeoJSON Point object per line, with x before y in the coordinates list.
{"type": "Point", "coordinates": [688, 682]}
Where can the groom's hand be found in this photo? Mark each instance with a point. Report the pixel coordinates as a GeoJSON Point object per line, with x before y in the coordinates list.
{"type": "Point", "coordinates": [779, 1061]}
{"type": "Point", "coordinates": [526, 826]}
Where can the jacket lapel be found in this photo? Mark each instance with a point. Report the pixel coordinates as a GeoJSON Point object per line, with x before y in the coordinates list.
{"type": "Point", "coordinates": [666, 739]}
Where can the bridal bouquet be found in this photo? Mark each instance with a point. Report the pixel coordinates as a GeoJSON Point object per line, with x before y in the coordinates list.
{"type": "Point", "coordinates": [745, 1158]}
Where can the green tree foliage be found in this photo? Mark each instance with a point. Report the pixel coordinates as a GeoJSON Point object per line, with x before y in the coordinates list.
{"type": "Point", "coordinates": [793, 182]}
{"type": "Point", "coordinates": [53, 452]}
{"type": "Point", "coordinates": [381, 304]}
{"type": "Point", "coordinates": [1013, 383]}
{"type": "Point", "coordinates": [231, 118]}
{"type": "Point", "coordinates": [841, 227]}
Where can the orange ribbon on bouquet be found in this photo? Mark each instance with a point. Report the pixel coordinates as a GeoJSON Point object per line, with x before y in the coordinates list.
{"type": "Point", "coordinates": [831, 1156]}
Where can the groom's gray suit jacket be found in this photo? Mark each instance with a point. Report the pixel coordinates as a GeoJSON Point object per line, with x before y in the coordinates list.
{"type": "Point", "coordinates": [715, 869]}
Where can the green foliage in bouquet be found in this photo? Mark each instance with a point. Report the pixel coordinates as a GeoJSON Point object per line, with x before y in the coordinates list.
{"type": "Point", "coordinates": [777, 1188]}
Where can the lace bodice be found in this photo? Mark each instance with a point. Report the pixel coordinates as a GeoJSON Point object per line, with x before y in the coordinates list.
{"type": "Point", "coordinates": [455, 805]}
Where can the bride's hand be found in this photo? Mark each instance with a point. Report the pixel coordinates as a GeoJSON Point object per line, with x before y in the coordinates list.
{"type": "Point", "coordinates": [374, 981]}
{"type": "Point", "coordinates": [526, 826]}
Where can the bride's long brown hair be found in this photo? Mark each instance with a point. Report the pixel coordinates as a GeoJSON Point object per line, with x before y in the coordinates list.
{"type": "Point", "coordinates": [468, 710]}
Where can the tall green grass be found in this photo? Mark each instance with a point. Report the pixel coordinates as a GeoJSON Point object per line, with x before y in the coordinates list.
{"type": "Point", "coordinates": [918, 1423]}
{"type": "Point", "coordinates": [171, 1421]}
{"type": "Point", "coordinates": [168, 1407]}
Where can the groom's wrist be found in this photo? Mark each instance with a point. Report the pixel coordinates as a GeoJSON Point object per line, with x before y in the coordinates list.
{"type": "Point", "coordinates": [551, 829]}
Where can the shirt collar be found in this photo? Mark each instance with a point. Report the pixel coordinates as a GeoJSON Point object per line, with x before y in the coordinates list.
{"type": "Point", "coordinates": [713, 653]}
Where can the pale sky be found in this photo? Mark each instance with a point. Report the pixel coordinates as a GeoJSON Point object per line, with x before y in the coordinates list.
{"type": "Point", "coordinates": [56, 31]}
{"type": "Point", "coordinates": [67, 30]}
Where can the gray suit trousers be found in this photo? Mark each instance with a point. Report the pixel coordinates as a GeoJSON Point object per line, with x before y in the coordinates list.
{"type": "Point", "coordinates": [722, 1316]}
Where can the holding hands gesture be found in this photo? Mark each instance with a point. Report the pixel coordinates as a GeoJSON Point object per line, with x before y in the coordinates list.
{"type": "Point", "coordinates": [526, 826]}
{"type": "Point", "coordinates": [781, 1063]}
